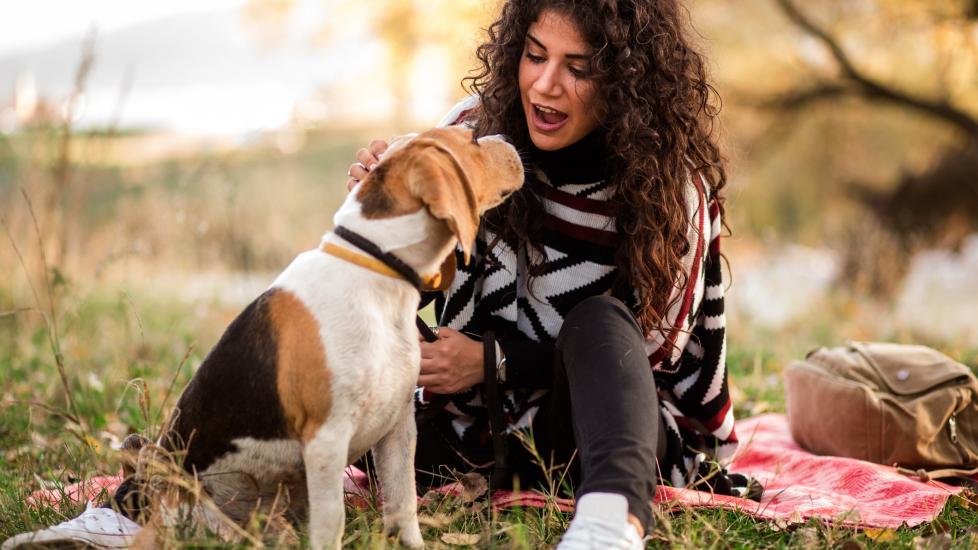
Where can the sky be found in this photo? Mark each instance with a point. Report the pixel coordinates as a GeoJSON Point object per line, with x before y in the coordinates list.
{"type": "Point", "coordinates": [30, 23]}
{"type": "Point", "coordinates": [194, 66]}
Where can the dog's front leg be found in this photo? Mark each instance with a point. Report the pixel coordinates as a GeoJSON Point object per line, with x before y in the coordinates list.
{"type": "Point", "coordinates": [325, 460]}
{"type": "Point", "coordinates": [394, 458]}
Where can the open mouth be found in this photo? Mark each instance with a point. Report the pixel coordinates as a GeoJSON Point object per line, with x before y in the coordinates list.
{"type": "Point", "coordinates": [548, 119]}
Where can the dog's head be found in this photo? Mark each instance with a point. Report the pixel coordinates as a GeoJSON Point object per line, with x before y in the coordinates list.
{"type": "Point", "coordinates": [447, 172]}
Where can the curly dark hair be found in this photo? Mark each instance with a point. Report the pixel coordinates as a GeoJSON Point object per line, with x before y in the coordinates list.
{"type": "Point", "coordinates": [657, 111]}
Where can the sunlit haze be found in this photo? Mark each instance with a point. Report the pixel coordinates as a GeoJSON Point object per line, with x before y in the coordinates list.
{"type": "Point", "coordinates": [201, 67]}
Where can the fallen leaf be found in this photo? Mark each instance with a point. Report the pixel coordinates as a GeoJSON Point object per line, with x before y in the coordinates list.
{"type": "Point", "coordinates": [805, 537]}
{"type": "Point", "coordinates": [473, 486]}
{"type": "Point", "coordinates": [967, 499]}
{"type": "Point", "coordinates": [936, 542]}
{"type": "Point", "coordinates": [460, 539]}
{"type": "Point", "coordinates": [438, 520]}
{"type": "Point", "coordinates": [93, 443]}
{"type": "Point", "coordinates": [18, 451]}
{"type": "Point", "coordinates": [851, 545]}
{"type": "Point", "coordinates": [881, 535]}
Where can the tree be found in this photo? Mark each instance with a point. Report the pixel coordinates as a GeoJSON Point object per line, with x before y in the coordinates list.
{"type": "Point", "coordinates": [935, 205]}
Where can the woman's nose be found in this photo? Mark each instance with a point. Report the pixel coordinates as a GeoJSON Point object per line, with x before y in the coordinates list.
{"type": "Point", "coordinates": [547, 83]}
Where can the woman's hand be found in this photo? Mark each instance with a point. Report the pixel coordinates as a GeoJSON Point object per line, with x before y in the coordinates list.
{"type": "Point", "coordinates": [367, 159]}
{"type": "Point", "coordinates": [450, 364]}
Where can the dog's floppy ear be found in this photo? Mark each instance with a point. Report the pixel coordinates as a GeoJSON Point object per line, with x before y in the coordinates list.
{"type": "Point", "coordinates": [439, 180]}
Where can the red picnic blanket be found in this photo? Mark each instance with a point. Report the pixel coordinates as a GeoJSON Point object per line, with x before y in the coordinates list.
{"type": "Point", "coordinates": [797, 486]}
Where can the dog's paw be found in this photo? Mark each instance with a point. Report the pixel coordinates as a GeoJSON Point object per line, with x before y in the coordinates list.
{"type": "Point", "coordinates": [408, 535]}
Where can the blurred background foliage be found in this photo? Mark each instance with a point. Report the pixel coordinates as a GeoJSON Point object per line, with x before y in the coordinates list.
{"type": "Point", "coordinates": [187, 156]}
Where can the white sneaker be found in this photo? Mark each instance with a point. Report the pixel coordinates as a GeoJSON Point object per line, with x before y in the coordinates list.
{"type": "Point", "coordinates": [99, 527]}
{"type": "Point", "coordinates": [601, 522]}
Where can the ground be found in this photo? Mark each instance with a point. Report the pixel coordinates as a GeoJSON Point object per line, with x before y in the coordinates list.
{"type": "Point", "coordinates": [126, 356]}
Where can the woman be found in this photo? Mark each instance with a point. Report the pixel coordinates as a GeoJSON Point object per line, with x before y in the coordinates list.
{"type": "Point", "coordinates": [600, 280]}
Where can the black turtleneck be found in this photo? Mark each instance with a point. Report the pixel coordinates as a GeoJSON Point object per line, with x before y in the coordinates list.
{"type": "Point", "coordinates": [584, 161]}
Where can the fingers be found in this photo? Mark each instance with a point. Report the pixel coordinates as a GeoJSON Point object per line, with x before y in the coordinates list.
{"type": "Point", "coordinates": [445, 333]}
{"type": "Point", "coordinates": [367, 159]}
{"type": "Point", "coordinates": [356, 172]}
{"type": "Point", "coordinates": [377, 147]}
{"type": "Point", "coordinates": [433, 359]}
{"type": "Point", "coordinates": [438, 384]}
{"type": "Point", "coordinates": [430, 381]}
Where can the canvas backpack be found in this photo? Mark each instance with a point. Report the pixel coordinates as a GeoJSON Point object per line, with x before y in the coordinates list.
{"type": "Point", "coordinates": [903, 405]}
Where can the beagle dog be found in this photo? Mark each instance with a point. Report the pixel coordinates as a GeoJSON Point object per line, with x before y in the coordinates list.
{"type": "Point", "coordinates": [321, 367]}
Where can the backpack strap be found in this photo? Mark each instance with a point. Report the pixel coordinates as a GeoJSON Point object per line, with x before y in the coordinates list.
{"type": "Point", "coordinates": [930, 475]}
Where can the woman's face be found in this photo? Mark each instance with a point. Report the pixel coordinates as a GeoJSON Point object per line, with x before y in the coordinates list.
{"type": "Point", "coordinates": [557, 94]}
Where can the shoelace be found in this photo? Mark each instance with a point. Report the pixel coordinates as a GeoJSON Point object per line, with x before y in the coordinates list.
{"type": "Point", "coordinates": [589, 534]}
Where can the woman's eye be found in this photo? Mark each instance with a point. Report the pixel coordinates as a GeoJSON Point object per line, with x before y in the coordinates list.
{"type": "Point", "coordinates": [534, 58]}
{"type": "Point", "coordinates": [579, 73]}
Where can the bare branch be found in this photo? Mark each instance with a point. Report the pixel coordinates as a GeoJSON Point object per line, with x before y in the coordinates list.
{"type": "Point", "coordinates": [800, 98]}
{"type": "Point", "coordinates": [799, 19]}
{"type": "Point", "coordinates": [869, 88]}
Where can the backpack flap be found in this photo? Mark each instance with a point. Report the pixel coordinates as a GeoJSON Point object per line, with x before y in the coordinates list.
{"type": "Point", "coordinates": [907, 370]}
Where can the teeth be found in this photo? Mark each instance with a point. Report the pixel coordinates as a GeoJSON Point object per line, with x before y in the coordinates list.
{"type": "Point", "coordinates": [547, 110]}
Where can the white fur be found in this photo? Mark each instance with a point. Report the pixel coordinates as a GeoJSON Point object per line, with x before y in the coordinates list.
{"type": "Point", "coordinates": [388, 233]}
{"type": "Point", "coordinates": [358, 310]}
{"type": "Point", "coordinates": [366, 325]}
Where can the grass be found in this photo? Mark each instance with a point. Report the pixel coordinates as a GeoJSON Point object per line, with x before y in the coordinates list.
{"type": "Point", "coordinates": [130, 318]}
{"type": "Point", "coordinates": [122, 352]}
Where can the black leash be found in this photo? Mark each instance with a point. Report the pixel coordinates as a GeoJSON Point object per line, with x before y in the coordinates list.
{"type": "Point", "coordinates": [497, 421]}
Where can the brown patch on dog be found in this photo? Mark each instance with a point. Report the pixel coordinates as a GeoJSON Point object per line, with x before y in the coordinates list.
{"type": "Point", "coordinates": [303, 378]}
{"type": "Point", "coordinates": [383, 194]}
{"type": "Point", "coordinates": [447, 172]}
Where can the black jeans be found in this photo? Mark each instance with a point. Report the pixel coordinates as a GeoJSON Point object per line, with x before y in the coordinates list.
{"type": "Point", "coordinates": [603, 405]}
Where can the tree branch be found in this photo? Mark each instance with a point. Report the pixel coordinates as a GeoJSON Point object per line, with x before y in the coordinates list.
{"type": "Point", "coordinates": [869, 88]}
{"type": "Point", "coordinates": [800, 98]}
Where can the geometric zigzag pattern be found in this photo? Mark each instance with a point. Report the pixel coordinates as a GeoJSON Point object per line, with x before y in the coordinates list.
{"type": "Point", "coordinates": [579, 244]}
{"type": "Point", "coordinates": [689, 363]}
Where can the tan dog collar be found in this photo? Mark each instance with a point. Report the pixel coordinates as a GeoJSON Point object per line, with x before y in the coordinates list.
{"type": "Point", "coordinates": [375, 265]}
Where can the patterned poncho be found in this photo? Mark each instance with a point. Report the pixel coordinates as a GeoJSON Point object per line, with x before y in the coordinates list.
{"type": "Point", "coordinates": [580, 241]}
